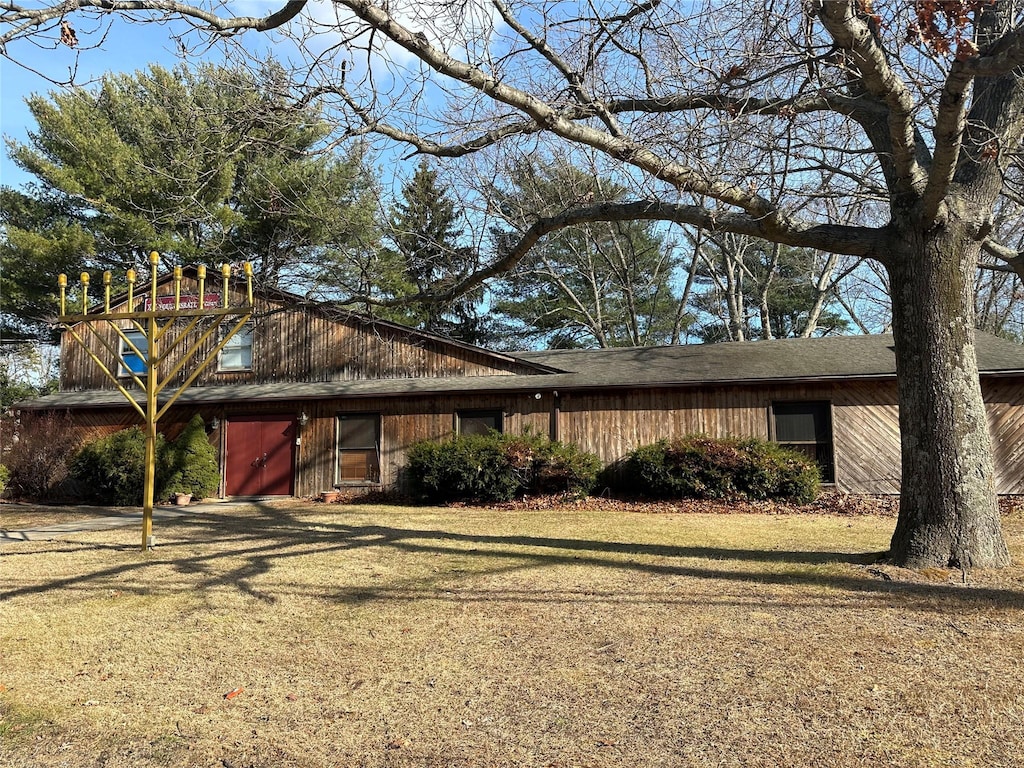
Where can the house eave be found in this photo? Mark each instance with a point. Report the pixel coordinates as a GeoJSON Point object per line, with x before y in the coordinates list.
{"type": "Point", "coordinates": [563, 383]}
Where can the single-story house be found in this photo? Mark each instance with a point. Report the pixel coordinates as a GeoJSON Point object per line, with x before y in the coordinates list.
{"type": "Point", "coordinates": [310, 397]}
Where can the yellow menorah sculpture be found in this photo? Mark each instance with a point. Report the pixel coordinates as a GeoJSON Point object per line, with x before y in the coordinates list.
{"type": "Point", "coordinates": [158, 324]}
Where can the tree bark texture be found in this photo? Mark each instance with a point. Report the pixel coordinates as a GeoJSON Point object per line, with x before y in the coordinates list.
{"type": "Point", "coordinates": [948, 511]}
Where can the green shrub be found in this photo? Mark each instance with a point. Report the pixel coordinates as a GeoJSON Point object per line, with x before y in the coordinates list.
{"type": "Point", "coordinates": [497, 467]}
{"type": "Point", "coordinates": [701, 467]}
{"type": "Point", "coordinates": [5, 475]}
{"type": "Point", "coordinates": [111, 469]}
{"type": "Point", "coordinates": [193, 462]}
{"type": "Point", "coordinates": [564, 468]}
{"type": "Point", "coordinates": [469, 467]}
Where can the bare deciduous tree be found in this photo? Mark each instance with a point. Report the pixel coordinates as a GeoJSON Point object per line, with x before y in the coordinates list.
{"type": "Point", "coordinates": [754, 290]}
{"type": "Point", "coordinates": [746, 117]}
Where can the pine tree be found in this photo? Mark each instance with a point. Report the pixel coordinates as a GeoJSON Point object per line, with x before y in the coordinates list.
{"type": "Point", "coordinates": [427, 234]}
{"type": "Point", "coordinates": [599, 284]}
{"type": "Point", "coordinates": [204, 165]}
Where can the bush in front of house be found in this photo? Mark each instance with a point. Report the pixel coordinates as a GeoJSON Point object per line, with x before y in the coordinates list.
{"type": "Point", "coordinates": [38, 456]}
{"type": "Point", "coordinates": [701, 467]}
{"type": "Point", "coordinates": [193, 462]}
{"type": "Point", "coordinates": [5, 475]}
{"type": "Point", "coordinates": [111, 469]}
{"type": "Point", "coordinates": [466, 468]}
{"type": "Point", "coordinates": [564, 468]}
{"type": "Point", "coordinates": [498, 467]}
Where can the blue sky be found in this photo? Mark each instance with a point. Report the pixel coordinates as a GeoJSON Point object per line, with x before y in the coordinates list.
{"type": "Point", "coordinates": [126, 48]}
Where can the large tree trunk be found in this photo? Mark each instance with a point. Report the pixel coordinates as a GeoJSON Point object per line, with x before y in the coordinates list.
{"type": "Point", "coordinates": [948, 511]}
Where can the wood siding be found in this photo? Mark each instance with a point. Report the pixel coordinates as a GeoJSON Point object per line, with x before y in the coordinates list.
{"type": "Point", "coordinates": [865, 423]}
{"type": "Point", "coordinates": [297, 344]}
{"type": "Point", "coordinates": [1004, 400]}
{"type": "Point", "coordinates": [403, 422]}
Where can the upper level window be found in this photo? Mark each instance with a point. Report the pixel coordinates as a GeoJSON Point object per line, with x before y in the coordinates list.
{"type": "Point", "coordinates": [237, 353]}
{"type": "Point", "coordinates": [806, 427]}
{"type": "Point", "coordinates": [478, 422]}
{"type": "Point", "coordinates": [132, 361]}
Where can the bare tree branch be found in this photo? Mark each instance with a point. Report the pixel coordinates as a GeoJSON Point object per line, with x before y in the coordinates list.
{"type": "Point", "coordinates": [852, 33]}
{"type": "Point", "coordinates": [23, 18]}
{"type": "Point", "coordinates": [849, 240]}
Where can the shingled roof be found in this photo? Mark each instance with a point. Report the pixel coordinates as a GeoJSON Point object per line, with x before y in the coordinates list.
{"type": "Point", "coordinates": [778, 361]}
{"type": "Point", "coordinates": [830, 357]}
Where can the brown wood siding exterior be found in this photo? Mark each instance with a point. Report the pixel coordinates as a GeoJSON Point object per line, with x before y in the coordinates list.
{"type": "Point", "coordinates": [298, 344]}
{"type": "Point", "coordinates": [403, 422]}
{"type": "Point", "coordinates": [1004, 400]}
{"type": "Point", "coordinates": [864, 423]}
{"type": "Point", "coordinates": [304, 344]}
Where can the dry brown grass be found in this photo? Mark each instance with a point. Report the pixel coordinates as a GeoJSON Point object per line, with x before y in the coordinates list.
{"type": "Point", "coordinates": [387, 636]}
{"type": "Point", "coordinates": [14, 517]}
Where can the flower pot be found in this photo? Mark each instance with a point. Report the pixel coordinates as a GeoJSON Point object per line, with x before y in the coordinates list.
{"type": "Point", "coordinates": [330, 497]}
{"type": "Point", "coordinates": [182, 499]}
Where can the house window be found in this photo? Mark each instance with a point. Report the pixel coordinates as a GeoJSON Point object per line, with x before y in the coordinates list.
{"type": "Point", "coordinates": [806, 427]}
{"type": "Point", "coordinates": [131, 362]}
{"type": "Point", "coordinates": [478, 422]}
{"type": "Point", "coordinates": [358, 448]}
{"type": "Point", "coordinates": [236, 355]}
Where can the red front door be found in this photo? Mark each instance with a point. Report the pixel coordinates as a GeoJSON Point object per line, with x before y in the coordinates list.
{"type": "Point", "coordinates": [260, 456]}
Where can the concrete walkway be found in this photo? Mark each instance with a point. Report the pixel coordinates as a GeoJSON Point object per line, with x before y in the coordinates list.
{"type": "Point", "coordinates": [103, 523]}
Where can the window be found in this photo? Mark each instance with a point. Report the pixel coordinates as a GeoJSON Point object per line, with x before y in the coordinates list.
{"type": "Point", "coordinates": [358, 448]}
{"type": "Point", "coordinates": [237, 353]}
{"type": "Point", "coordinates": [807, 427]}
{"type": "Point", "coordinates": [131, 362]}
{"type": "Point", "coordinates": [478, 422]}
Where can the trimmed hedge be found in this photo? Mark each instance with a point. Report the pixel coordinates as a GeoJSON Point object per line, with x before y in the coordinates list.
{"type": "Point", "coordinates": [497, 467]}
{"type": "Point", "coordinates": [701, 467]}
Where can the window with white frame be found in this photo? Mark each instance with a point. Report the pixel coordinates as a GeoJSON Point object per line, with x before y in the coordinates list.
{"type": "Point", "coordinates": [237, 353]}
{"type": "Point", "coordinates": [133, 360]}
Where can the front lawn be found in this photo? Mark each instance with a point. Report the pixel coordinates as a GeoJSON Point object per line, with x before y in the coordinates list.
{"type": "Point", "coordinates": [390, 636]}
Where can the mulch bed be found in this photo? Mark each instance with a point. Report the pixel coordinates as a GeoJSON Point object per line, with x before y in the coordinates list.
{"type": "Point", "coordinates": [828, 503]}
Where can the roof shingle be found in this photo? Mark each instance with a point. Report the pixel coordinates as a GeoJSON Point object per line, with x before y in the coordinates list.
{"type": "Point", "coordinates": [782, 360]}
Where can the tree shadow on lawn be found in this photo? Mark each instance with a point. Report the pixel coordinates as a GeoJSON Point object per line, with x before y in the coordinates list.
{"type": "Point", "coordinates": [275, 536]}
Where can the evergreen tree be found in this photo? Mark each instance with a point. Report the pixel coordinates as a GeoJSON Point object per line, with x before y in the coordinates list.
{"type": "Point", "coordinates": [205, 165]}
{"type": "Point", "coordinates": [750, 289]}
{"type": "Point", "coordinates": [600, 284]}
{"type": "Point", "coordinates": [429, 253]}
{"type": "Point", "coordinates": [26, 371]}
{"type": "Point", "coordinates": [194, 462]}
